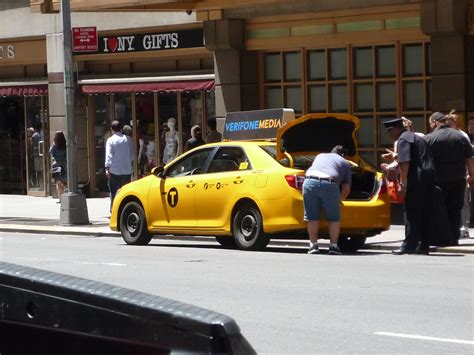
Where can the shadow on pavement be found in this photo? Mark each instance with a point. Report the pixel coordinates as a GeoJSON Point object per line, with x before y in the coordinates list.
{"type": "Point", "coordinates": [270, 249]}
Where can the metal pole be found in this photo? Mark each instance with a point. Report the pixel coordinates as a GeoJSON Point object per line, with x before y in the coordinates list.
{"type": "Point", "coordinates": [73, 205]}
{"type": "Point", "coordinates": [69, 98]}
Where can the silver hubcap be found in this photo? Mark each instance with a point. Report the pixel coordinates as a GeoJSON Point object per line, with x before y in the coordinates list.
{"type": "Point", "coordinates": [248, 226]}
{"type": "Point", "coordinates": [133, 222]}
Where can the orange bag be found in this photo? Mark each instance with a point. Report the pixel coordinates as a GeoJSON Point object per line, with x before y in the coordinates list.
{"type": "Point", "coordinates": [392, 187]}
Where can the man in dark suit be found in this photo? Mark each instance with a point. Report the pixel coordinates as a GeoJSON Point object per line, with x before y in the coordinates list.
{"type": "Point", "coordinates": [416, 183]}
{"type": "Point", "coordinates": [452, 152]}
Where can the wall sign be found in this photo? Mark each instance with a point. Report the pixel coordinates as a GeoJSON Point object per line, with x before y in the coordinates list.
{"type": "Point", "coordinates": [7, 51]}
{"type": "Point", "coordinates": [145, 42]}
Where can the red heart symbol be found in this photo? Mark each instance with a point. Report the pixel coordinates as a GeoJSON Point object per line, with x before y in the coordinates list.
{"type": "Point", "coordinates": [112, 43]}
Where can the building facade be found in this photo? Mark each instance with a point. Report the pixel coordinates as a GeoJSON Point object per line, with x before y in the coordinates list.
{"type": "Point", "coordinates": [376, 59]}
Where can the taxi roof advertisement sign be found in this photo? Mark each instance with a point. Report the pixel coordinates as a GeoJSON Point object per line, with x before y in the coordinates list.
{"type": "Point", "coordinates": [255, 125]}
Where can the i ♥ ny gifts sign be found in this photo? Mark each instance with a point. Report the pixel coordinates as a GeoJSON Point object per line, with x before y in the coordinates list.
{"type": "Point", "coordinates": [143, 42]}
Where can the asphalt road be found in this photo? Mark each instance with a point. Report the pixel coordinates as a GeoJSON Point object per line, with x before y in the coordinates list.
{"type": "Point", "coordinates": [284, 300]}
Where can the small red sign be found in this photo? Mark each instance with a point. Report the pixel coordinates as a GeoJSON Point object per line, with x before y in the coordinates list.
{"type": "Point", "coordinates": [84, 39]}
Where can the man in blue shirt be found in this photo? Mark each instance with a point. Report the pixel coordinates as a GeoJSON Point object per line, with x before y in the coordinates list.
{"type": "Point", "coordinates": [118, 160]}
{"type": "Point", "coordinates": [327, 183]}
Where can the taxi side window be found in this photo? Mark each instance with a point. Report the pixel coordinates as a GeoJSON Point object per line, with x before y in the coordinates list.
{"type": "Point", "coordinates": [190, 165]}
{"type": "Point", "coordinates": [229, 159]}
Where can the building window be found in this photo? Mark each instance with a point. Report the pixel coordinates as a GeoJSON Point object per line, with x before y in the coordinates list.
{"type": "Point", "coordinates": [373, 82]}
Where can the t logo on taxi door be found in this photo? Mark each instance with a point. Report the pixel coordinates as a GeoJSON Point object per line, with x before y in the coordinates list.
{"type": "Point", "coordinates": [172, 197]}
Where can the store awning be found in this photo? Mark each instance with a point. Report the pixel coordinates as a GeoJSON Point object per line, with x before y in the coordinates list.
{"type": "Point", "coordinates": [148, 84]}
{"type": "Point", "coordinates": [148, 87]}
{"type": "Point", "coordinates": [24, 90]}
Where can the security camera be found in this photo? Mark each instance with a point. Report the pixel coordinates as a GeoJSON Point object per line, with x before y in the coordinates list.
{"type": "Point", "coordinates": [189, 12]}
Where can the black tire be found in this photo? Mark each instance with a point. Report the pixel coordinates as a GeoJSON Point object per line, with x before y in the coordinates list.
{"type": "Point", "coordinates": [133, 225]}
{"type": "Point", "coordinates": [351, 243]}
{"type": "Point", "coordinates": [247, 228]}
{"type": "Point", "coordinates": [226, 241]}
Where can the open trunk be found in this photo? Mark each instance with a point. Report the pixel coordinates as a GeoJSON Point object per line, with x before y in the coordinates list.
{"type": "Point", "coordinates": [364, 184]}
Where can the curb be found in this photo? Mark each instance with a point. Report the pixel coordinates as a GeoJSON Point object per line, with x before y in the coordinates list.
{"type": "Point", "coordinates": [83, 231]}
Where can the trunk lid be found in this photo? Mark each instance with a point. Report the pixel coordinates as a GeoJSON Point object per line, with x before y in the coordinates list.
{"type": "Point", "coordinates": [319, 133]}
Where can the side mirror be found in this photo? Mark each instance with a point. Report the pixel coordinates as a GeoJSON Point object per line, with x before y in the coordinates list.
{"type": "Point", "coordinates": [158, 171]}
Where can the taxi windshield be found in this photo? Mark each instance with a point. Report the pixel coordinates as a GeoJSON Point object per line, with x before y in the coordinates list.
{"type": "Point", "coordinates": [300, 162]}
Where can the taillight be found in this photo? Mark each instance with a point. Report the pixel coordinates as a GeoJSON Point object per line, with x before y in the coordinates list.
{"type": "Point", "coordinates": [383, 188]}
{"type": "Point", "coordinates": [295, 181]}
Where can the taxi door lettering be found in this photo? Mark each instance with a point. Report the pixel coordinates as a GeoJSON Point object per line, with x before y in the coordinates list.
{"type": "Point", "coordinates": [172, 197]}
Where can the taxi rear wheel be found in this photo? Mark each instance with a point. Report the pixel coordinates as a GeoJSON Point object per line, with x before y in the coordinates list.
{"type": "Point", "coordinates": [351, 243]}
{"type": "Point", "coordinates": [133, 225]}
{"type": "Point", "coordinates": [247, 228]}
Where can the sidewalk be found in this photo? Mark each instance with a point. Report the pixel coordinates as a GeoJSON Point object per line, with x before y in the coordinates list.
{"type": "Point", "coordinates": [19, 213]}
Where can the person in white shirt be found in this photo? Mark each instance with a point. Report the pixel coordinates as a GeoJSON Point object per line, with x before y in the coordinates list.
{"type": "Point", "coordinates": [118, 160]}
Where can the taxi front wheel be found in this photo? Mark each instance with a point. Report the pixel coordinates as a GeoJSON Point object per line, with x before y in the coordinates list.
{"type": "Point", "coordinates": [247, 228]}
{"type": "Point", "coordinates": [133, 225]}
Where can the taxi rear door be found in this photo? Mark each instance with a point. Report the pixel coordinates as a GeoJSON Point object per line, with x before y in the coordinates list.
{"type": "Point", "coordinates": [229, 175]}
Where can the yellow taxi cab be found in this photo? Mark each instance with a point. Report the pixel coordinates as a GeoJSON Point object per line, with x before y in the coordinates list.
{"type": "Point", "coordinates": [245, 192]}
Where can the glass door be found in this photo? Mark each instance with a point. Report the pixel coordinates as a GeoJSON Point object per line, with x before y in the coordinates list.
{"type": "Point", "coordinates": [170, 128]}
{"type": "Point", "coordinates": [36, 145]}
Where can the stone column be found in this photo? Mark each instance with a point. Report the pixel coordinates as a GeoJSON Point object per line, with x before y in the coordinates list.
{"type": "Point", "coordinates": [446, 22]}
{"type": "Point", "coordinates": [236, 83]}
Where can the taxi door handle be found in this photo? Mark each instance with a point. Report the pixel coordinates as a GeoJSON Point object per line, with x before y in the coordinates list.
{"type": "Point", "coordinates": [191, 184]}
{"type": "Point", "coordinates": [238, 180]}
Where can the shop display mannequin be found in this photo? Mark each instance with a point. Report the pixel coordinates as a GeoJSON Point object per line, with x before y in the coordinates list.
{"type": "Point", "coordinates": [171, 142]}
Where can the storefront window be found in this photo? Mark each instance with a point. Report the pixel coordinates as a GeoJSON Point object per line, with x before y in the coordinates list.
{"type": "Point", "coordinates": [170, 130]}
{"type": "Point", "coordinates": [273, 97]}
{"type": "Point", "coordinates": [365, 135]}
{"type": "Point", "coordinates": [364, 97]}
{"type": "Point", "coordinates": [272, 67]}
{"type": "Point", "coordinates": [37, 149]}
{"type": "Point", "coordinates": [387, 97]}
{"type": "Point", "coordinates": [317, 98]}
{"type": "Point", "coordinates": [338, 98]}
{"type": "Point", "coordinates": [338, 64]}
{"type": "Point", "coordinates": [145, 153]}
{"type": "Point", "coordinates": [386, 57]}
{"type": "Point", "coordinates": [413, 96]}
{"type": "Point", "coordinates": [293, 66]}
{"type": "Point", "coordinates": [293, 98]}
{"type": "Point", "coordinates": [192, 112]}
{"type": "Point", "coordinates": [316, 65]}
{"type": "Point", "coordinates": [374, 82]}
{"type": "Point", "coordinates": [123, 108]}
{"type": "Point", "coordinates": [363, 62]}
{"type": "Point", "coordinates": [412, 59]}
{"type": "Point", "coordinates": [102, 120]}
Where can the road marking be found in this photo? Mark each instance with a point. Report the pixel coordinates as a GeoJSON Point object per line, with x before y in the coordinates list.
{"type": "Point", "coordinates": [98, 263]}
{"type": "Point", "coordinates": [421, 337]}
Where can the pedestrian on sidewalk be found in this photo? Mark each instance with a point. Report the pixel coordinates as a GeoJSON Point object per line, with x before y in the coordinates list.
{"type": "Point", "coordinates": [416, 184]}
{"type": "Point", "coordinates": [452, 152]}
{"type": "Point", "coordinates": [58, 155]}
{"type": "Point", "coordinates": [195, 140]}
{"type": "Point", "coordinates": [327, 183]}
{"type": "Point", "coordinates": [118, 160]}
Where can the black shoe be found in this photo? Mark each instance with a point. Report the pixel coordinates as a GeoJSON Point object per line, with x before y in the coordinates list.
{"type": "Point", "coordinates": [403, 250]}
{"type": "Point", "coordinates": [334, 250]}
{"type": "Point", "coordinates": [423, 250]}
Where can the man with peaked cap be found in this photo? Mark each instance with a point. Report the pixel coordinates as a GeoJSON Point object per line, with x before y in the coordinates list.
{"type": "Point", "coordinates": [417, 183]}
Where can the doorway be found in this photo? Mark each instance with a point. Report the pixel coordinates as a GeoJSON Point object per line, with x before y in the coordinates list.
{"type": "Point", "coordinates": [36, 145]}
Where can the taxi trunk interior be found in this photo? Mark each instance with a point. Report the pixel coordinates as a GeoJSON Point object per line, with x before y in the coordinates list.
{"type": "Point", "coordinates": [318, 135]}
